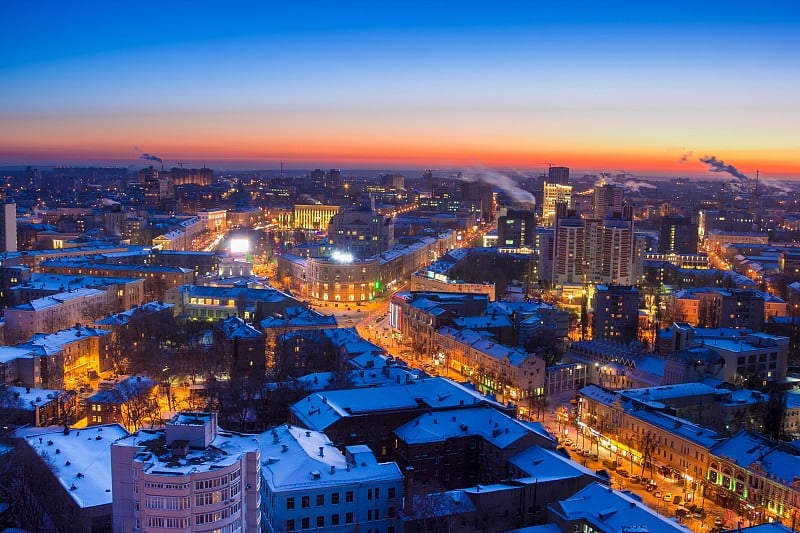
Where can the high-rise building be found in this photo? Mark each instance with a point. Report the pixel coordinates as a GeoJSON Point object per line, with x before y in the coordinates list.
{"type": "Point", "coordinates": [477, 191]}
{"type": "Point", "coordinates": [616, 313]}
{"type": "Point", "coordinates": [568, 249]}
{"type": "Point", "coordinates": [515, 228]}
{"type": "Point", "coordinates": [592, 250]}
{"type": "Point", "coordinates": [333, 178]}
{"type": "Point", "coordinates": [678, 235]}
{"type": "Point", "coordinates": [617, 251]}
{"type": "Point", "coordinates": [607, 200]}
{"type": "Point", "coordinates": [554, 193]}
{"type": "Point", "coordinates": [189, 476]}
{"type": "Point", "coordinates": [558, 175]}
{"type": "Point", "coordinates": [8, 228]}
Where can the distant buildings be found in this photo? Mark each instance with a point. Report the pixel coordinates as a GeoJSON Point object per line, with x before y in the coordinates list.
{"type": "Point", "coordinates": [361, 233]}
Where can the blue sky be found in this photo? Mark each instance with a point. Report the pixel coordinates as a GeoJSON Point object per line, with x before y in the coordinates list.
{"type": "Point", "coordinates": [398, 81]}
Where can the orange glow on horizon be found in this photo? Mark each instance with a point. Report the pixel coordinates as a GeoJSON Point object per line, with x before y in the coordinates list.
{"type": "Point", "coordinates": [412, 155]}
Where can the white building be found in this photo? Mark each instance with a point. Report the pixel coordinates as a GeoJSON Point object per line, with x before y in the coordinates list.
{"type": "Point", "coordinates": [53, 313]}
{"type": "Point", "coordinates": [8, 228]}
{"type": "Point", "coordinates": [189, 477]}
{"type": "Point", "coordinates": [310, 484]}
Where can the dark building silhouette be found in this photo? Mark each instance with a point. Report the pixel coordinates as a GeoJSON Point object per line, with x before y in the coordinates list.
{"type": "Point", "coordinates": [678, 234]}
{"type": "Point", "coordinates": [515, 228]}
{"type": "Point", "coordinates": [559, 175]}
{"type": "Point", "coordinates": [616, 313]}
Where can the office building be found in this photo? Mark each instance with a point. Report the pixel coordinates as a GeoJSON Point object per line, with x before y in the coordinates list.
{"type": "Point", "coordinates": [616, 313]}
{"type": "Point", "coordinates": [678, 235]}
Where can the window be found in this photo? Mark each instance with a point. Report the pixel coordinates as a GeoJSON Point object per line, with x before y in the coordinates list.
{"type": "Point", "coordinates": [334, 519]}
{"type": "Point", "coordinates": [306, 523]}
{"type": "Point", "coordinates": [348, 496]}
{"type": "Point", "coordinates": [290, 525]}
{"type": "Point", "coordinates": [348, 518]}
{"type": "Point", "coordinates": [391, 492]}
{"type": "Point", "coordinates": [320, 521]}
{"type": "Point", "coordinates": [306, 502]}
{"type": "Point", "coordinates": [320, 499]}
{"type": "Point", "coordinates": [369, 494]}
{"type": "Point", "coordinates": [290, 503]}
{"type": "Point", "coordinates": [335, 498]}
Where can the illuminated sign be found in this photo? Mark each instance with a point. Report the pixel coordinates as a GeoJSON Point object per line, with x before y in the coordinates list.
{"type": "Point", "coordinates": [342, 257]}
{"type": "Point", "coordinates": [240, 246]}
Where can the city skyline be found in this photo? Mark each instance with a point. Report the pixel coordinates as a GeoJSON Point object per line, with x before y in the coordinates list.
{"type": "Point", "coordinates": [596, 88]}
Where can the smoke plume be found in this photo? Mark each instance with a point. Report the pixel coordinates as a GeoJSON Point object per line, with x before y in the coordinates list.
{"type": "Point", "coordinates": [151, 157]}
{"type": "Point", "coordinates": [686, 157]}
{"type": "Point", "coordinates": [717, 165]}
{"type": "Point", "coordinates": [506, 183]}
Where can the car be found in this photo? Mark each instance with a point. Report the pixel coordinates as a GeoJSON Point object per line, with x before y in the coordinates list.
{"type": "Point", "coordinates": [677, 499]}
{"type": "Point", "coordinates": [575, 447]}
{"type": "Point", "coordinates": [650, 488]}
{"type": "Point", "coordinates": [718, 521]}
{"type": "Point", "coordinates": [568, 442]}
{"type": "Point", "coordinates": [622, 472]}
{"type": "Point", "coordinates": [682, 511]}
{"type": "Point", "coordinates": [636, 478]}
{"type": "Point", "coordinates": [586, 453]}
{"type": "Point", "coordinates": [657, 494]}
{"type": "Point", "coordinates": [595, 457]}
{"type": "Point", "coordinates": [698, 515]}
{"type": "Point", "coordinates": [667, 497]}
{"type": "Point", "coordinates": [644, 482]}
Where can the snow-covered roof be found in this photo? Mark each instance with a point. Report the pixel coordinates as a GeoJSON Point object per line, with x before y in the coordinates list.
{"type": "Point", "coordinates": [541, 464]}
{"type": "Point", "coordinates": [320, 410]}
{"type": "Point", "coordinates": [485, 422]}
{"type": "Point", "coordinates": [29, 398]}
{"type": "Point", "coordinates": [745, 449]}
{"type": "Point", "coordinates": [293, 458]}
{"type": "Point", "coordinates": [612, 511]}
{"type": "Point", "coordinates": [55, 342]}
{"type": "Point", "coordinates": [81, 459]}
{"type": "Point", "coordinates": [224, 450]}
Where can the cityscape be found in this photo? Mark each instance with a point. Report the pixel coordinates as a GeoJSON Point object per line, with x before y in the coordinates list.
{"type": "Point", "coordinates": [396, 268]}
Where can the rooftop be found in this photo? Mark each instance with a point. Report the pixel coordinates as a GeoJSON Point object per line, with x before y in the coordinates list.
{"type": "Point", "coordinates": [80, 459]}
{"type": "Point", "coordinates": [293, 458]}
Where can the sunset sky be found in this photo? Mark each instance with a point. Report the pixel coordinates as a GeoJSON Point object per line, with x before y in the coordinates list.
{"type": "Point", "coordinates": [597, 86]}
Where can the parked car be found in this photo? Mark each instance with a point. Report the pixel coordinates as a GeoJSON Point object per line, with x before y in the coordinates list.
{"type": "Point", "coordinates": [586, 453]}
{"type": "Point", "coordinates": [657, 494]}
{"type": "Point", "coordinates": [568, 442]}
{"type": "Point", "coordinates": [677, 499]}
{"type": "Point", "coordinates": [668, 497]}
{"type": "Point", "coordinates": [636, 478]}
{"type": "Point", "coordinates": [698, 515]}
{"type": "Point", "coordinates": [718, 521]}
{"type": "Point", "coordinates": [622, 472]}
{"type": "Point", "coordinates": [595, 457]}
